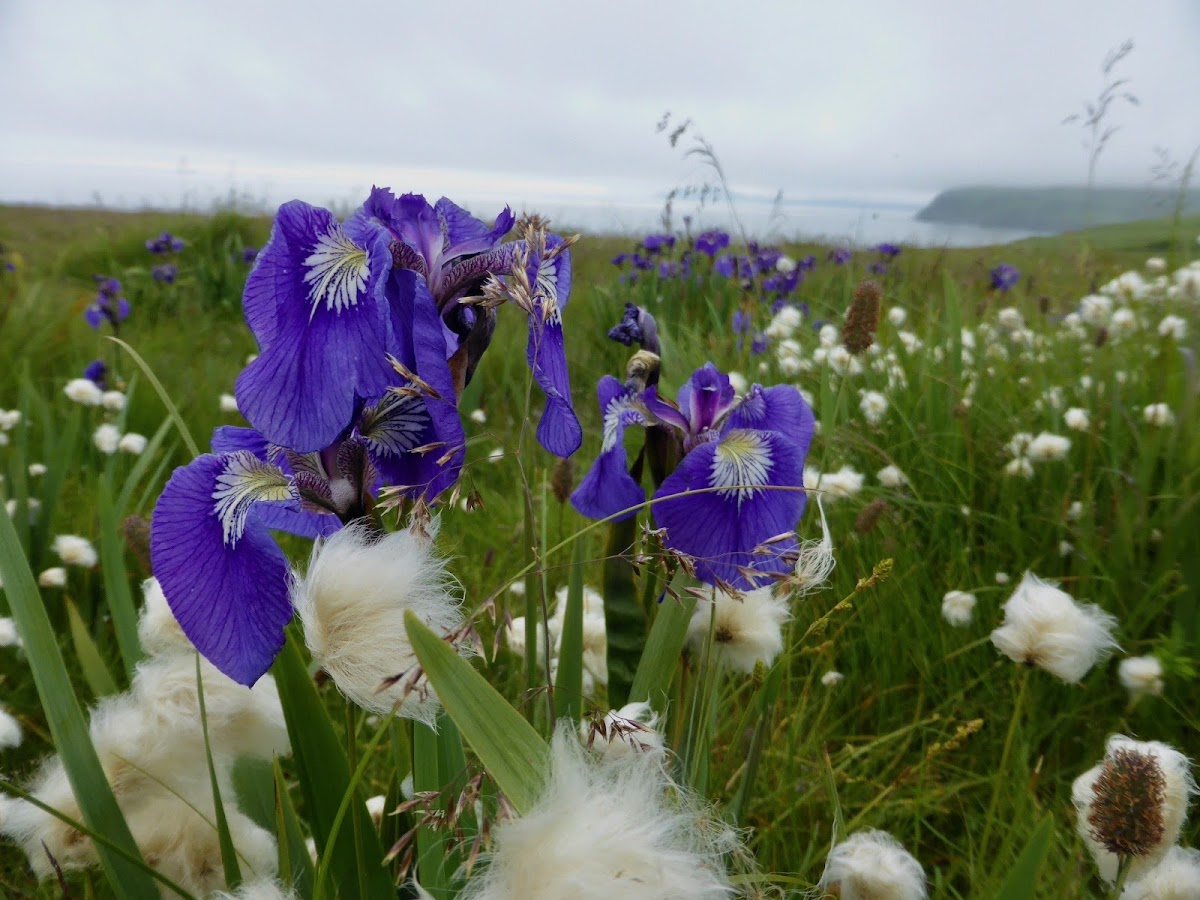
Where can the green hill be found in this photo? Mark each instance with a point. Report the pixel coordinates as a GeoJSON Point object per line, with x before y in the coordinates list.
{"type": "Point", "coordinates": [1052, 209]}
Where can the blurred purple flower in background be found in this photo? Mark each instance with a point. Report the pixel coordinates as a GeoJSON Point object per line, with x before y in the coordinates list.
{"type": "Point", "coordinates": [659, 243]}
{"type": "Point", "coordinates": [108, 305]}
{"type": "Point", "coordinates": [879, 267]}
{"type": "Point", "coordinates": [165, 274]}
{"type": "Point", "coordinates": [1005, 277]}
{"type": "Point", "coordinates": [840, 256]}
{"type": "Point", "coordinates": [165, 243]}
{"type": "Point", "coordinates": [97, 372]}
{"type": "Point", "coordinates": [249, 254]}
{"type": "Point", "coordinates": [888, 250]}
{"type": "Point", "coordinates": [710, 242]}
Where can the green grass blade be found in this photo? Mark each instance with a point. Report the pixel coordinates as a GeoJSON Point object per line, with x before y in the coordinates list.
{"type": "Point", "coordinates": [172, 409]}
{"type": "Point", "coordinates": [295, 865]}
{"type": "Point", "coordinates": [624, 618]}
{"type": "Point", "coordinates": [91, 663]}
{"type": "Point", "coordinates": [652, 681]}
{"type": "Point", "coordinates": [67, 725]}
{"type": "Point", "coordinates": [427, 776]}
{"type": "Point", "coordinates": [233, 872]}
{"type": "Point", "coordinates": [568, 686]}
{"type": "Point", "coordinates": [1023, 876]}
{"type": "Point", "coordinates": [116, 580]}
{"type": "Point", "coordinates": [507, 745]}
{"type": "Point", "coordinates": [324, 774]}
{"type": "Point", "coordinates": [148, 458]}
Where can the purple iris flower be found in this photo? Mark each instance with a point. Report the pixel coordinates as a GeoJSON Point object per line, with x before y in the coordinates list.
{"type": "Point", "coordinates": [165, 243]}
{"type": "Point", "coordinates": [10, 267]}
{"type": "Point", "coordinates": [766, 258]}
{"type": "Point", "coordinates": [888, 250]}
{"type": "Point", "coordinates": [722, 504]}
{"type": "Point", "coordinates": [249, 254]}
{"type": "Point", "coordinates": [638, 326]}
{"type": "Point", "coordinates": [840, 255]}
{"type": "Point", "coordinates": [741, 321]}
{"type": "Point", "coordinates": [456, 254]}
{"type": "Point", "coordinates": [1005, 277]}
{"type": "Point", "coordinates": [658, 243]}
{"type": "Point", "coordinates": [641, 262]}
{"type": "Point", "coordinates": [667, 268]}
{"type": "Point", "coordinates": [759, 344]}
{"type": "Point", "coordinates": [726, 265]}
{"type": "Point", "coordinates": [108, 305]}
{"type": "Point", "coordinates": [96, 371]}
{"type": "Point", "coordinates": [620, 259]}
{"type": "Point", "coordinates": [807, 264]}
{"type": "Point", "coordinates": [711, 242]}
{"type": "Point", "coordinates": [165, 274]}
{"type": "Point", "coordinates": [879, 267]}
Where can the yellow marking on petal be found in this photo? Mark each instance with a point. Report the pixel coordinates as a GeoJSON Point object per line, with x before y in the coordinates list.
{"type": "Point", "coordinates": [741, 465]}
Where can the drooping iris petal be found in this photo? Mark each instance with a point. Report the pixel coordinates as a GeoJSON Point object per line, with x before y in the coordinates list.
{"type": "Point", "coordinates": [608, 487]}
{"type": "Point", "coordinates": [465, 234]}
{"type": "Point", "coordinates": [664, 412]}
{"type": "Point", "coordinates": [738, 510]}
{"type": "Point", "coordinates": [704, 397]}
{"type": "Point", "coordinates": [391, 432]}
{"type": "Point", "coordinates": [779, 408]}
{"type": "Point", "coordinates": [314, 301]}
{"type": "Point", "coordinates": [224, 577]}
{"type": "Point", "coordinates": [559, 430]}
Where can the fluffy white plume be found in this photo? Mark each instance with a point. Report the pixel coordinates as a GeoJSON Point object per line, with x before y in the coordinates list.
{"type": "Point", "coordinates": [618, 828]}
{"type": "Point", "coordinates": [1044, 626]}
{"type": "Point", "coordinates": [744, 629]}
{"type": "Point", "coordinates": [84, 391]}
{"type": "Point", "coordinates": [106, 438]}
{"type": "Point", "coordinates": [1177, 789]}
{"type": "Point", "coordinates": [958, 607]}
{"type": "Point", "coordinates": [352, 602]}
{"type": "Point", "coordinates": [158, 630]}
{"type": "Point", "coordinates": [873, 865]}
{"type": "Point", "coordinates": [75, 550]}
{"type": "Point", "coordinates": [1176, 877]}
{"type": "Point", "coordinates": [10, 731]}
{"type": "Point", "coordinates": [258, 890]}
{"type": "Point", "coordinates": [8, 632]}
{"type": "Point", "coordinates": [1141, 675]}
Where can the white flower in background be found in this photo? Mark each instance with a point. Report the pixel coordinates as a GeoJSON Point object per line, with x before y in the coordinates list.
{"type": "Point", "coordinates": [1124, 322]}
{"type": "Point", "coordinates": [630, 729]}
{"type": "Point", "coordinates": [1054, 397]}
{"type": "Point", "coordinates": [784, 323]}
{"type": "Point", "coordinates": [744, 630]}
{"type": "Point", "coordinates": [1141, 675]}
{"type": "Point", "coordinates": [1187, 284]}
{"type": "Point", "coordinates": [1174, 327]}
{"type": "Point", "coordinates": [911, 342]}
{"type": "Point", "coordinates": [1175, 877]}
{"type": "Point", "coordinates": [478, 416]}
{"type": "Point", "coordinates": [1075, 511]}
{"type": "Point", "coordinates": [829, 336]}
{"type": "Point", "coordinates": [1018, 443]}
{"type": "Point", "coordinates": [1076, 418]}
{"type": "Point", "coordinates": [514, 636]}
{"type": "Point", "coordinates": [1010, 319]}
{"type": "Point", "coordinates": [1121, 377]}
{"type": "Point", "coordinates": [352, 602]}
{"type": "Point", "coordinates": [874, 406]}
{"type": "Point", "coordinates": [832, 679]}
{"type": "Point", "coordinates": [1130, 285]}
{"type": "Point", "coordinates": [1133, 804]}
{"type": "Point", "coordinates": [10, 731]}
{"type": "Point", "coordinates": [1065, 548]}
{"type": "Point", "coordinates": [1085, 382]}
{"type": "Point", "coordinates": [1020, 467]}
{"type": "Point", "coordinates": [1158, 415]}
{"type": "Point", "coordinates": [843, 362]}
{"type": "Point", "coordinates": [1044, 626]}
{"type": "Point", "coordinates": [83, 391]}
{"type": "Point", "coordinates": [1047, 447]}
{"type": "Point", "coordinates": [872, 865]}
{"type": "Point", "coordinates": [75, 550]}
{"type": "Point", "coordinates": [739, 383]}
{"type": "Point", "coordinates": [375, 808]}
{"type": "Point", "coordinates": [1002, 578]}
{"type": "Point", "coordinates": [892, 477]}
{"type": "Point", "coordinates": [1095, 309]}
{"type": "Point", "coordinates": [897, 315]}
{"type": "Point", "coordinates": [106, 438]}
{"type": "Point", "coordinates": [9, 419]}
{"type": "Point", "coordinates": [1156, 265]}
{"type": "Point", "coordinates": [8, 632]}
{"type": "Point", "coordinates": [788, 355]}
{"type": "Point", "coordinates": [37, 470]}
{"type": "Point", "coordinates": [606, 828]}
{"type": "Point", "coordinates": [228, 404]}
{"type": "Point", "coordinates": [132, 443]}
{"type": "Point", "coordinates": [496, 454]}
{"type": "Point", "coordinates": [843, 484]}
{"type": "Point", "coordinates": [113, 401]}
{"type": "Point", "coordinates": [54, 577]}
{"type": "Point", "coordinates": [595, 635]}
{"type": "Point", "coordinates": [958, 607]}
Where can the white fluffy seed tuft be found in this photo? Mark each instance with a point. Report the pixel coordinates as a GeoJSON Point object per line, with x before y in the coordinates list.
{"type": "Point", "coordinates": [352, 602]}
{"type": "Point", "coordinates": [744, 629]}
{"type": "Point", "coordinates": [1176, 877]}
{"type": "Point", "coordinates": [1141, 675]}
{"type": "Point", "coordinates": [873, 865]}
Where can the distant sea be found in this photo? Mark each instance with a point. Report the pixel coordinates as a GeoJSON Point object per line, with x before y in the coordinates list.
{"type": "Point", "coordinates": [849, 216]}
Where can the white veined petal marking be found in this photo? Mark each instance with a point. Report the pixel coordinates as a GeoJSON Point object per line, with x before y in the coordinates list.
{"type": "Point", "coordinates": [245, 480]}
{"type": "Point", "coordinates": [396, 423]}
{"type": "Point", "coordinates": [546, 291]}
{"type": "Point", "coordinates": [741, 465]}
{"type": "Point", "coordinates": [623, 406]}
{"type": "Point", "coordinates": [337, 272]}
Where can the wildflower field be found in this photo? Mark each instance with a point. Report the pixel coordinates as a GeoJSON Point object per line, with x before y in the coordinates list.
{"type": "Point", "coordinates": [648, 566]}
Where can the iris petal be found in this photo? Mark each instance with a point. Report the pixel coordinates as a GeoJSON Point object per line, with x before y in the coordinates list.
{"type": "Point", "coordinates": [559, 430]}
{"type": "Point", "coordinates": [465, 234]}
{"type": "Point", "coordinates": [231, 598]}
{"type": "Point", "coordinates": [608, 487]}
{"type": "Point", "coordinates": [779, 408]}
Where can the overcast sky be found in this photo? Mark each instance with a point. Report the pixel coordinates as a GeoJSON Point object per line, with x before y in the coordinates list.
{"type": "Point", "coordinates": [169, 102]}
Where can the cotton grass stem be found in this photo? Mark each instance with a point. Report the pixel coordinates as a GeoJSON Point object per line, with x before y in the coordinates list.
{"type": "Point", "coordinates": [999, 780]}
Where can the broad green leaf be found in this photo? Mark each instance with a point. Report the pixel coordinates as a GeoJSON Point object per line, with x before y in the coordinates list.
{"type": "Point", "coordinates": [568, 686]}
{"type": "Point", "coordinates": [509, 748]}
{"type": "Point", "coordinates": [624, 619]}
{"type": "Point", "coordinates": [67, 725]}
{"type": "Point", "coordinates": [116, 580]}
{"type": "Point", "coordinates": [656, 669]}
{"type": "Point", "coordinates": [1023, 876]}
{"type": "Point", "coordinates": [91, 663]}
{"type": "Point", "coordinates": [324, 774]}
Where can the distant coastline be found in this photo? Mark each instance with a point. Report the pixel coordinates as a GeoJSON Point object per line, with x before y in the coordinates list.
{"type": "Point", "coordinates": [1050, 210]}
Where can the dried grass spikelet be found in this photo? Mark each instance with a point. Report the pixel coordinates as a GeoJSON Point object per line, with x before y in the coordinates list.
{"type": "Point", "coordinates": [352, 602]}
{"type": "Point", "coordinates": [862, 318]}
{"type": "Point", "coordinates": [606, 828]}
{"type": "Point", "coordinates": [870, 515]}
{"type": "Point", "coordinates": [630, 729]}
{"type": "Point", "coordinates": [562, 479]}
{"type": "Point", "coordinates": [1132, 804]}
{"type": "Point", "coordinates": [1044, 626]}
{"type": "Point", "coordinates": [873, 865]}
{"type": "Point", "coordinates": [1175, 877]}
{"type": "Point", "coordinates": [745, 629]}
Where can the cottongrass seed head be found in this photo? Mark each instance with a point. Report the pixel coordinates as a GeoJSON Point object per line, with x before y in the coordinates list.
{"type": "Point", "coordinates": [1175, 877]}
{"type": "Point", "coordinates": [75, 550]}
{"type": "Point", "coordinates": [958, 607]}
{"type": "Point", "coordinates": [606, 828]}
{"type": "Point", "coordinates": [352, 602]}
{"type": "Point", "coordinates": [873, 865]}
{"type": "Point", "coordinates": [745, 629]}
{"type": "Point", "coordinates": [1141, 675]}
{"type": "Point", "coordinates": [1132, 804]}
{"type": "Point", "coordinates": [1043, 626]}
